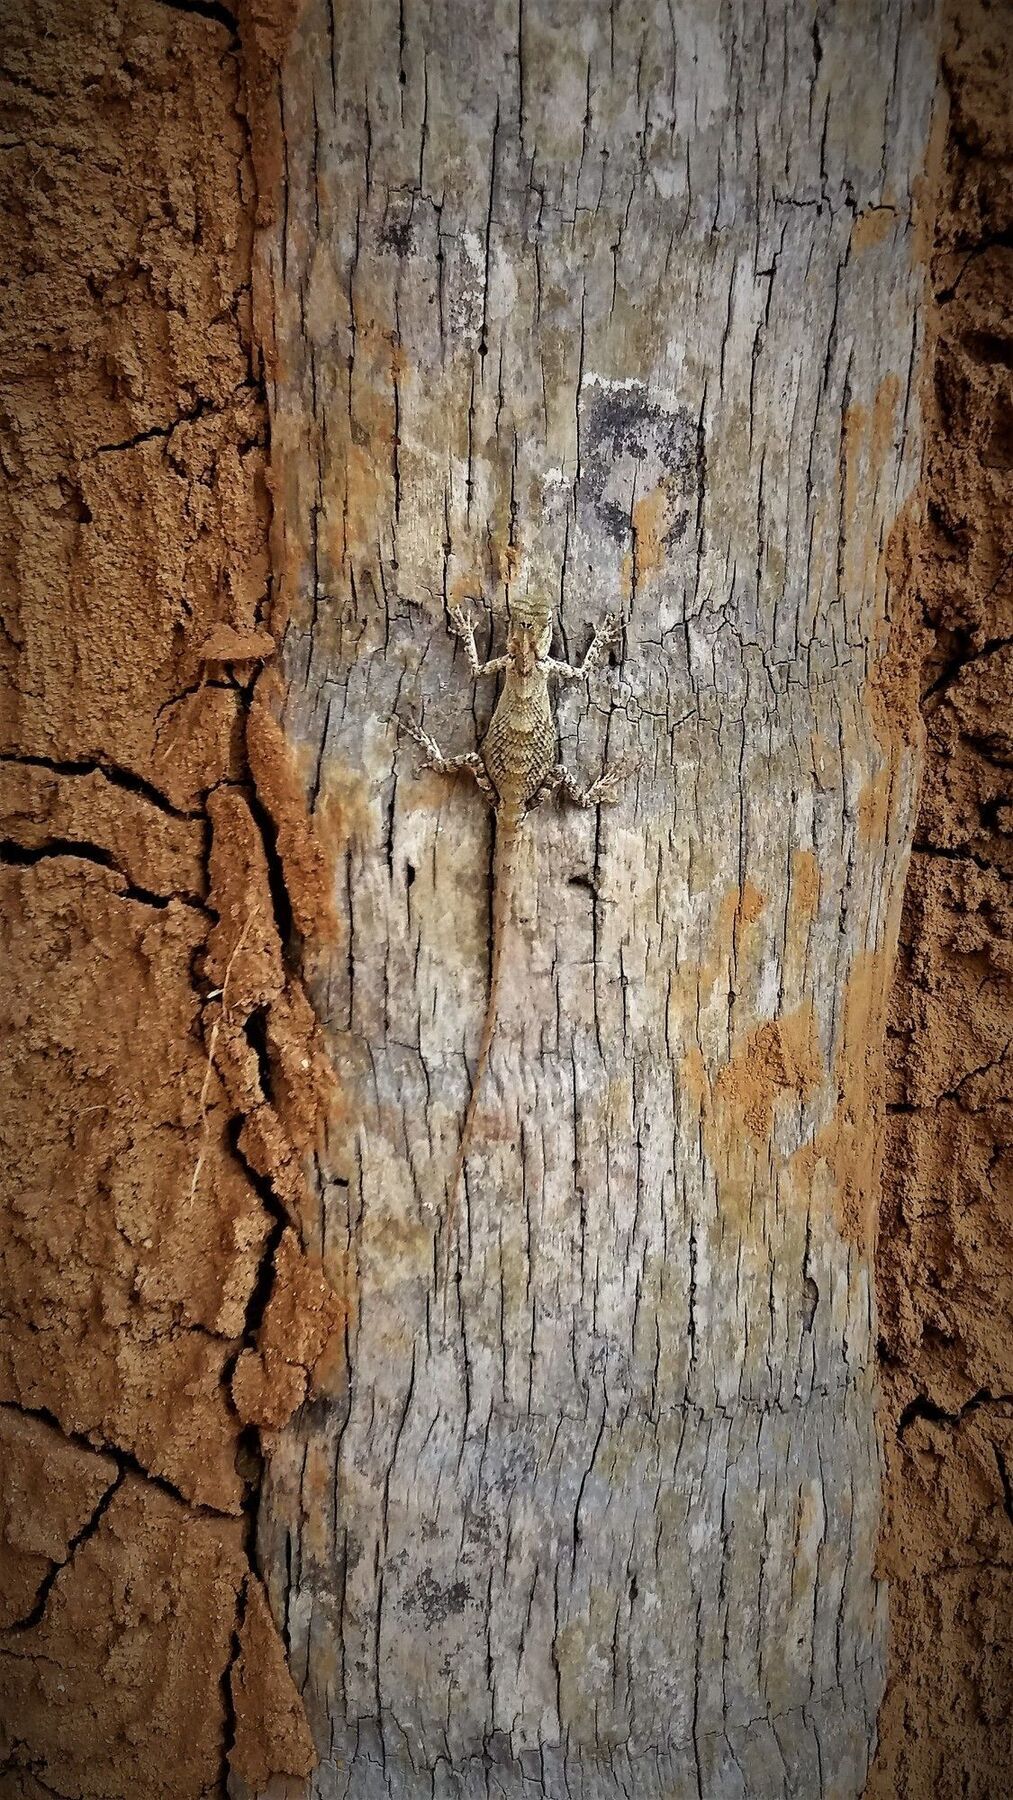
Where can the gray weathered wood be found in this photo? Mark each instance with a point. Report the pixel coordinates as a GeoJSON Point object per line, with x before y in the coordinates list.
{"type": "Point", "coordinates": [615, 303]}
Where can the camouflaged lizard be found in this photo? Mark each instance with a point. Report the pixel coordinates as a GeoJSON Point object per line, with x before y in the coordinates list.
{"type": "Point", "coordinates": [515, 769]}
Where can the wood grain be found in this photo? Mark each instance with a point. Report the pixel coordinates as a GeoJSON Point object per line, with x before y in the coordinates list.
{"type": "Point", "coordinates": [619, 304]}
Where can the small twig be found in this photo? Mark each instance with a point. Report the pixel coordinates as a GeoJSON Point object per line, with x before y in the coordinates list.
{"type": "Point", "coordinates": [212, 1042]}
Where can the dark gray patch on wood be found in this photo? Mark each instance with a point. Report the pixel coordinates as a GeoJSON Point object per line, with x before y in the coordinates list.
{"type": "Point", "coordinates": [628, 446]}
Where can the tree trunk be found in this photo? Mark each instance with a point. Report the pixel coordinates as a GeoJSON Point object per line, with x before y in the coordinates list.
{"type": "Point", "coordinates": [618, 306]}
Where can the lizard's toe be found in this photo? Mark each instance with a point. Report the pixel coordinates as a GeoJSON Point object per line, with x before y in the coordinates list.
{"type": "Point", "coordinates": [428, 745]}
{"type": "Point", "coordinates": [608, 787]}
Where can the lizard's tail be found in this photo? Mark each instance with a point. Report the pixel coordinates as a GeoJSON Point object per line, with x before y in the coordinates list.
{"type": "Point", "coordinates": [504, 862]}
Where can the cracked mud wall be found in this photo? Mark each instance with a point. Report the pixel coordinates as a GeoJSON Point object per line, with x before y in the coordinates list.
{"type": "Point", "coordinates": [159, 1061]}
{"type": "Point", "coordinates": [945, 1262]}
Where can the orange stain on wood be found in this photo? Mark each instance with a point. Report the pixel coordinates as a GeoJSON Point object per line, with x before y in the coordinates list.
{"type": "Point", "coordinates": [874, 805]}
{"type": "Point", "coordinates": [739, 909]}
{"type": "Point", "coordinates": [872, 227]}
{"type": "Point", "coordinates": [652, 520]}
{"type": "Point", "coordinates": [271, 1736]}
{"type": "Point", "coordinates": [343, 815]}
{"type": "Point", "coordinates": [884, 412]}
{"type": "Point", "coordinates": [781, 1056]}
{"type": "Point", "coordinates": [891, 693]}
{"type": "Point", "coordinates": [507, 562]}
{"type": "Point", "coordinates": [804, 891]}
{"type": "Point", "coordinates": [867, 435]}
{"type": "Point", "coordinates": [737, 1108]}
{"type": "Point", "coordinates": [465, 588]}
{"type": "Point", "coordinates": [693, 1076]}
{"type": "Point", "coordinates": [848, 1147]}
{"type": "Point", "coordinates": [750, 905]}
{"type": "Point", "coordinates": [781, 1060]}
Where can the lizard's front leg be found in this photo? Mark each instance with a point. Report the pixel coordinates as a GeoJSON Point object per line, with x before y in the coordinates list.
{"type": "Point", "coordinates": [470, 764]}
{"type": "Point", "coordinates": [608, 633]}
{"type": "Point", "coordinates": [463, 626]}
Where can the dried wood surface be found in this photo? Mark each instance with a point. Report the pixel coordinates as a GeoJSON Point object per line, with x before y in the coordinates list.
{"type": "Point", "coordinates": [619, 304]}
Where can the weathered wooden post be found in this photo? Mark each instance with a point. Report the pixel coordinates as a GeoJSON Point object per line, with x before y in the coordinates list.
{"type": "Point", "coordinates": [618, 305]}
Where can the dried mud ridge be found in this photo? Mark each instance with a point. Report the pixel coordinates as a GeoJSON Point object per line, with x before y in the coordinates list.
{"type": "Point", "coordinates": [946, 1224]}
{"type": "Point", "coordinates": [161, 1071]}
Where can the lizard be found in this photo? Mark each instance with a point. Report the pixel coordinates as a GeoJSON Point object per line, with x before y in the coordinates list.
{"type": "Point", "coordinates": [515, 768]}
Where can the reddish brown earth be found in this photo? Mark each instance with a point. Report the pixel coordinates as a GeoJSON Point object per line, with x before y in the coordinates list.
{"type": "Point", "coordinates": [160, 1074]}
{"type": "Point", "coordinates": [945, 1261]}
{"type": "Point", "coordinates": [159, 1064]}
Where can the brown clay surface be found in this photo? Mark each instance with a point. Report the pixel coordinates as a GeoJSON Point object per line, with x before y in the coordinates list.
{"type": "Point", "coordinates": [158, 1056]}
{"type": "Point", "coordinates": [945, 1261]}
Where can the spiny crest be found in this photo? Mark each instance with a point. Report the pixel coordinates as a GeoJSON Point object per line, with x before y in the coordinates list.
{"type": "Point", "coordinates": [530, 625]}
{"type": "Point", "coordinates": [529, 611]}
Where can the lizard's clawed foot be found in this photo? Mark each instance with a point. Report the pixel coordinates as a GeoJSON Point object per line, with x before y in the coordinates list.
{"type": "Point", "coordinates": [603, 792]}
{"type": "Point", "coordinates": [432, 755]}
{"type": "Point", "coordinates": [608, 787]}
{"type": "Point", "coordinates": [608, 633]}
{"type": "Point", "coordinates": [610, 783]}
{"type": "Point", "coordinates": [461, 623]}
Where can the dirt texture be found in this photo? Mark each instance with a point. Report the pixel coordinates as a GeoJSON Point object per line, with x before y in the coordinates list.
{"type": "Point", "coordinates": [160, 1065]}
{"type": "Point", "coordinates": [945, 1260]}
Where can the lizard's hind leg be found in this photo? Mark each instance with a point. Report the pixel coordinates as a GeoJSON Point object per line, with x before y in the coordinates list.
{"type": "Point", "coordinates": [603, 792]}
{"type": "Point", "coordinates": [470, 764]}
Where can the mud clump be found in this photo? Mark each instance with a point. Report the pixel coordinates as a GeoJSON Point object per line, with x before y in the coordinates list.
{"type": "Point", "coordinates": [158, 1055]}
{"type": "Point", "coordinates": [945, 1259]}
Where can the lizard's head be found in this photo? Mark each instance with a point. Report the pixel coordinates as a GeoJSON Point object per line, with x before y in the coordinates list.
{"type": "Point", "coordinates": [529, 636]}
